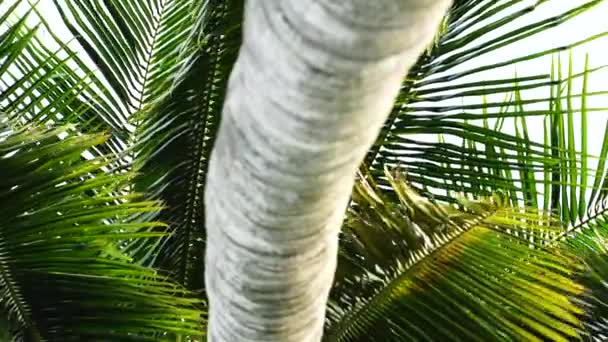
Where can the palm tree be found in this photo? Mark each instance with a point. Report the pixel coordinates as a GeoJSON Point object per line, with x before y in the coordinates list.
{"type": "Point", "coordinates": [422, 256]}
{"type": "Point", "coordinates": [291, 138]}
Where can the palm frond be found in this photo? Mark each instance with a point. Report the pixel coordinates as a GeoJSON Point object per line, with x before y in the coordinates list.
{"type": "Point", "coordinates": [48, 83]}
{"type": "Point", "coordinates": [151, 57]}
{"type": "Point", "coordinates": [176, 135]}
{"type": "Point", "coordinates": [62, 278]}
{"type": "Point", "coordinates": [573, 188]}
{"type": "Point", "coordinates": [418, 270]}
{"type": "Point", "coordinates": [132, 44]}
{"type": "Point", "coordinates": [442, 94]}
{"type": "Point", "coordinates": [140, 79]}
{"type": "Point", "coordinates": [121, 60]}
{"type": "Point", "coordinates": [591, 246]}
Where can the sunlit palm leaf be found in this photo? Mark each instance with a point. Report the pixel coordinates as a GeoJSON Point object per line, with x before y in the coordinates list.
{"type": "Point", "coordinates": [415, 270]}
{"type": "Point", "coordinates": [61, 278]}
{"type": "Point", "coordinates": [431, 103]}
{"type": "Point", "coordinates": [42, 82]}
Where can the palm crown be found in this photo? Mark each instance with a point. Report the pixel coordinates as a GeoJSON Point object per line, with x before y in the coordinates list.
{"type": "Point", "coordinates": [481, 234]}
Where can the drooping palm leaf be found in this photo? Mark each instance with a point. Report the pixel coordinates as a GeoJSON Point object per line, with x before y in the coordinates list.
{"type": "Point", "coordinates": [61, 277]}
{"type": "Point", "coordinates": [577, 193]}
{"type": "Point", "coordinates": [573, 188]}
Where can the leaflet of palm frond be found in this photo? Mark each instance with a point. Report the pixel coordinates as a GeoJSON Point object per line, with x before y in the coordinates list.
{"type": "Point", "coordinates": [584, 213]}
{"type": "Point", "coordinates": [573, 189]}
{"type": "Point", "coordinates": [62, 278]}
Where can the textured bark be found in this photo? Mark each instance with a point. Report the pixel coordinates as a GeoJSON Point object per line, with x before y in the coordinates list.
{"type": "Point", "coordinates": [312, 86]}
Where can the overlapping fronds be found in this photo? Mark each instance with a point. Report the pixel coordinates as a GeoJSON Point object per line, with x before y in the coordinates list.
{"type": "Point", "coordinates": [176, 135]}
{"type": "Point", "coordinates": [411, 269]}
{"type": "Point", "coordinates": [134, 46]}
{"type": "Point", "coordinates": [61, 277]}
{"type": "Point", "coordinates": [48, 83]}
{"type": "Point", "coordinates": [152, 74]}
{"type": "Point", "coordinates": [397, 282]}
{"type": "Point", "coordinates": [157, 71]}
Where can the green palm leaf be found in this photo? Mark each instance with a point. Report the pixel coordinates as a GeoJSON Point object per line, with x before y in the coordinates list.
{"type": "Point", "coordinates": [417, 270]}
{"type": "Point", "coordinates": [585, 215]}
{"type": "Point", "coordinates": [151, 57]}
{"type": "Point", "coordinates": [42, 82]}
{"type": "Point", "coordinates": [153, 74]}
{"type": "Point", "coordinates": [176, 135]}
{"type": "Point", "coordinates": [61, 277]}
{"type": "Point", "coordinates": [428, 103]}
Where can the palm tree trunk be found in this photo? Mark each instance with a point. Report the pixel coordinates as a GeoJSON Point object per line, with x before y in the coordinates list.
{"type": "Point", "coordinates": [307, 97]}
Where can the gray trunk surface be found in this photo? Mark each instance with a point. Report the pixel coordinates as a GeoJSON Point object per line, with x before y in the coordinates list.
{"type": "Point", "coordinates": [312, 86]}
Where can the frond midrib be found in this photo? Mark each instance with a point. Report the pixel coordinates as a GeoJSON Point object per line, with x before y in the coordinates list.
{"type": "Point", "coordinates": [582, 225]}
{"type": "Point", "coordinates": [201, 151]}
{"type": "Point", "coordinates": [23, 310]}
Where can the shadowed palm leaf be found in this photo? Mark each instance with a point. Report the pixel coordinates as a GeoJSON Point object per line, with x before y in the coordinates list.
{"type": "Point", "coordinates": [175, 138]}
{"type": "Point", "coordinates": [416, 270]}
